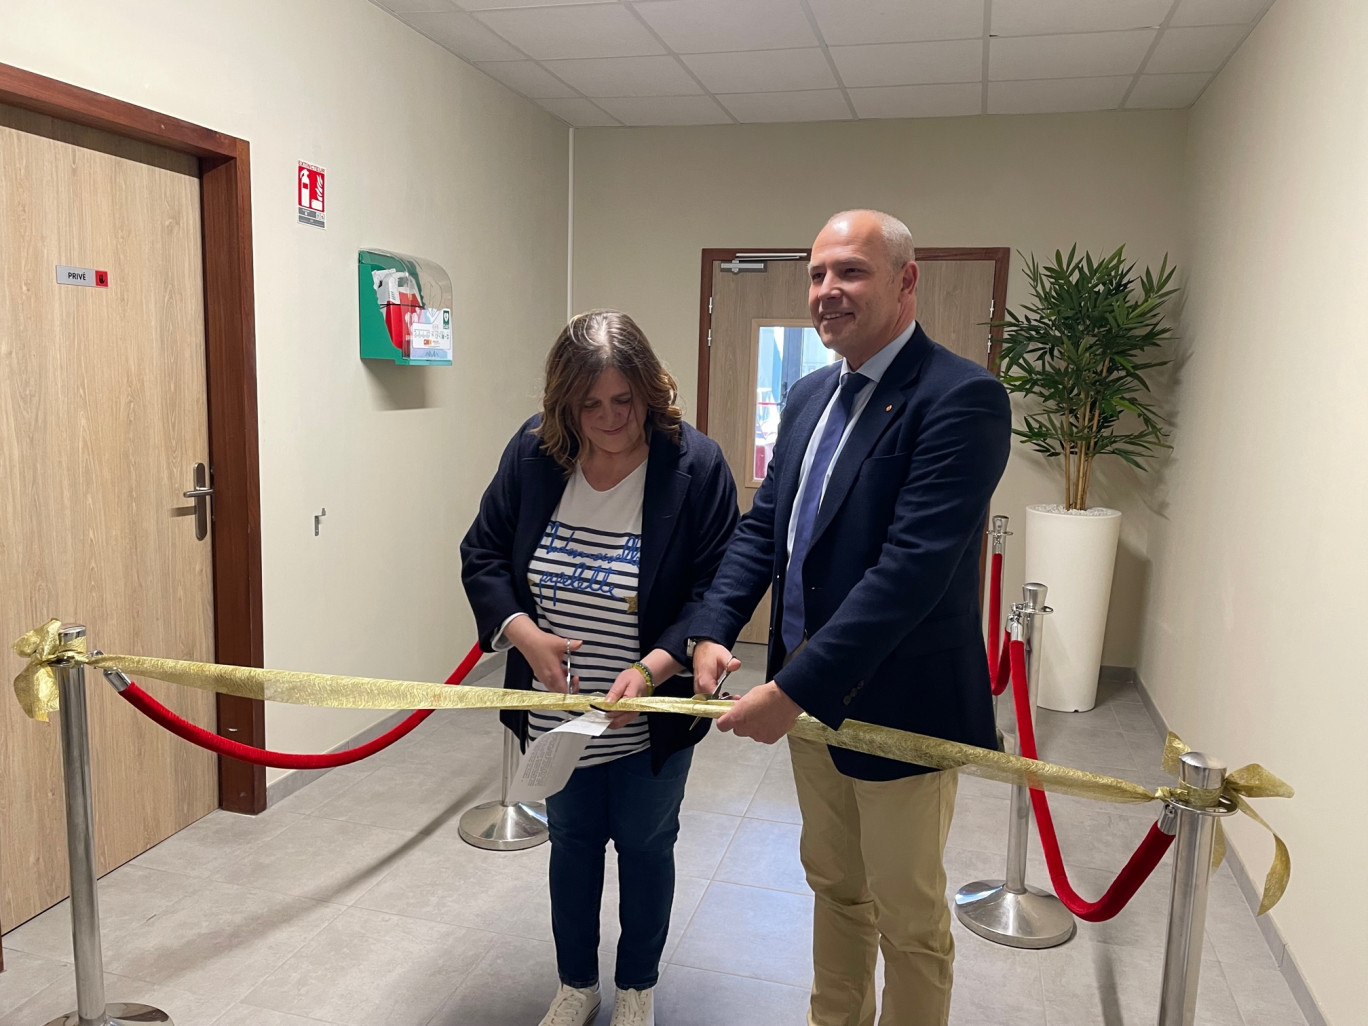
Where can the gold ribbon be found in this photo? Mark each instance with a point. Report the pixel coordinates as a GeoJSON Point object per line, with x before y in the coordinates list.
{"type": "Point", "coordinates": [36, 685]}
{"type": "Point", "coordinates": [37, 691]}
{"type": "Point", "coordinates": [1252, 781]}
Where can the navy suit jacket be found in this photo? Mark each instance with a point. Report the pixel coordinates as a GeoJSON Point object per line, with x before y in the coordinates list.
{"type": "Point", "coordinates": [891, 583]}
{"type": "Point", "coordinates": [688, 513]}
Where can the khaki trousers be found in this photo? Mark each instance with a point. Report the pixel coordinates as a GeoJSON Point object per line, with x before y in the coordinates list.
{"type": "Point", "coordinates": [873, 851]}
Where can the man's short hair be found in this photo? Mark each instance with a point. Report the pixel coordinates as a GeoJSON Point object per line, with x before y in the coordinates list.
{"type": "Point", "coordinates": [897, 238]}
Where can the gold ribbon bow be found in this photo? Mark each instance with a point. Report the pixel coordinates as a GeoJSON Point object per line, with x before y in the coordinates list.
{"type": "Point", "coordinates": [36, 685]}
{"type": "Point", "coordinates": [1252, 781]}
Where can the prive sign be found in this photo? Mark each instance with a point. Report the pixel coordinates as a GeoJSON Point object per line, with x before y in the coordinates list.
{"type": "Point", "coordinates": [86, 276]}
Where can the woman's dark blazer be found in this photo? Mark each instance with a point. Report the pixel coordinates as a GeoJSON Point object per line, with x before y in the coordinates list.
{"type": "Point", "coordinates": [687, 518]}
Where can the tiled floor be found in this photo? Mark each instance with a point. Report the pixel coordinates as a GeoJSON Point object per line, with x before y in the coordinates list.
{"type": "Point", "coordinates": [354, 902]}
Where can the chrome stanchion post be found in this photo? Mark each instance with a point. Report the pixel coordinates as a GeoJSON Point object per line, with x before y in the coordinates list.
{"type": "Point", "coordinates": [91, 1009]}
{"type": "Point", "coordinates": [505, 825]}
{"type": "Point", "coordinates": [1198, 810]}
{"type": "Point", "coordinates": [999, 535]}
{"type": "Point", "coordinates": [1010, 911]}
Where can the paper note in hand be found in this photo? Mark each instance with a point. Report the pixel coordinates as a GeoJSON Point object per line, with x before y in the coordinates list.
{"type": "Point", "coordinates": [548, 762]}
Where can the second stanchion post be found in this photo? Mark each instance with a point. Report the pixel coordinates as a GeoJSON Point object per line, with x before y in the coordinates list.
{"type": "Point", "coordinates": [1010, 911]}
{"type": "Point", "coordinates": [505, 825]}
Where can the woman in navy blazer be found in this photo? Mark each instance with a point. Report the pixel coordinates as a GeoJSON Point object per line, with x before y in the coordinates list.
{"type": "Point", "coordinates": [609, 462]}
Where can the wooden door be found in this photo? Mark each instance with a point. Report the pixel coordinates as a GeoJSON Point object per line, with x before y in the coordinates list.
{"type": "Point", "coordinates": [102, 418]}
{"type": "Point", "coordinates": [955, 297]}
{"type": "Point", "coordinates": [744, 304]}
{"type": "Point", "coordinates": [954, 300]}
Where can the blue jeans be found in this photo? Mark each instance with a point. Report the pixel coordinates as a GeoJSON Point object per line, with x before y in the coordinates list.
{"type": "Point", "coordinates": [639, 811]}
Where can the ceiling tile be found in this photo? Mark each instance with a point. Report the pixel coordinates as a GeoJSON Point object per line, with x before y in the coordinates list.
{"type": "Point", "coordinates": [1080, 55]}
{"type": "Point", "coordinates": [1218, 12]}
{"type": "Point", "coordinates": [414, 6]}
{"type": "Point", "coordinates": [852, 22]}
{"type": "Point", "coordinates": [1195, 49]}
{"type": "Point", "coordinates": [548, 33]}
{"type": "Point", "coordinates": [503, 5]}
{"type": "Point", "coordinates": [627, 76]}
{"type": "Point", "coordinates": [1055, 96]}
{"type": "Point", "coordinates": [463, 36]}
{"type": "Point", "coordinates": [709, 26]}
{"type": "Point", "coordinates": [918, 101]}
{"type": "Point", "coordinates": [1042, 17]}
{"type": "Point", "coordinates": [883, 64]}
{"type": "Point", "coordinates": [1167, 91]}
{"type": "Point", "coordinates": [526, 77]}
{"type": "Point", "coordinates": [666, 110]}
{"type": "Point", "coordinates": [762, 71]}
{"type": "Point", "coordinates": [802, 105]}
{"type": "Point", "coordinates": [578, 112]}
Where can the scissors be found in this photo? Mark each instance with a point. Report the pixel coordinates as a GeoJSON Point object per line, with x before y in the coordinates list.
{"type": "Point", "coordinates": [721, 679]}
{"type": "Point", "coordinates": [569, 689]}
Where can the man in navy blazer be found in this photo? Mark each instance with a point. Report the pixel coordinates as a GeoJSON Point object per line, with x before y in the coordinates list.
{"type": "Point", "coordinates": [867, 526]}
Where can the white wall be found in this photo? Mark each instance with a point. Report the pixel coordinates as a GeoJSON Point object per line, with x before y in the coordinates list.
{"type": "Point", "coordinates": [1254, 628]}
{"type": "Point", "coordinates": [647, 200]}
{"type": "Point", "coordinates": [424, 155]}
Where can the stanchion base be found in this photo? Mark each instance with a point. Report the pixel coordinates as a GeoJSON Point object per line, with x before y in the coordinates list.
{"type": "Point", "coordinates": [118, 1014]}
{"type": "Point", "coordinates": [1036, 919]}
{"type": "Point", "coordinates": [499, 827]}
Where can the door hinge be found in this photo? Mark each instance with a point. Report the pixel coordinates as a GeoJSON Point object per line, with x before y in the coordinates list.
{"type": "Point", "coordinates": [710, 338]}
{"type": "Point", "coordinates": [710, 299]}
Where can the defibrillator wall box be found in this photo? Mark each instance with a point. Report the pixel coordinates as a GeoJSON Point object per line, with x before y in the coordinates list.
{"type": "Point", "coordinates": [405, 309]}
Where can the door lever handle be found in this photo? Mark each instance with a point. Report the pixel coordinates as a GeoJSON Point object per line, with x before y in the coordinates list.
{"type": "Point", "coordinates": [200, 493]}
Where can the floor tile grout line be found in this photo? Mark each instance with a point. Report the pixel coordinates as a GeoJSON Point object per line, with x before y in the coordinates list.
{"type": "Point", "coordinates": [737, 976]}
{"type": "Point", "coordinates": [262, 1008]}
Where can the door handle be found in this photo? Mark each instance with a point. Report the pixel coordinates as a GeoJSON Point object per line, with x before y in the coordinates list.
{"type": "Point", "coordinates": [200, 493]}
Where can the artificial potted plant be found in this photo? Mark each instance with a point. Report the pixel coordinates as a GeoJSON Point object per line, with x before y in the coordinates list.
{"type": "Point", "coordinates": [1079, 350]}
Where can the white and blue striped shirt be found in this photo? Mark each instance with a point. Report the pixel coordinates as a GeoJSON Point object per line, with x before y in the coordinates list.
{"type": "Point", "coordinates": [583, 578]}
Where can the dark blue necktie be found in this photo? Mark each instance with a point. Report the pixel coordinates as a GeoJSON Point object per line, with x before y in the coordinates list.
{"type": "Point", "coordinates": [794, 619]}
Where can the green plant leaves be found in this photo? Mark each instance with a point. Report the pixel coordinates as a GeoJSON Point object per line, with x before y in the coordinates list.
{"type": "Point", "coordinates": [1080, 348]}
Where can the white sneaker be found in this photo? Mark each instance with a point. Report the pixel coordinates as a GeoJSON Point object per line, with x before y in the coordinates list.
{"type": "Point", "coordinates": [633, 1008]}
{"type": "Point", "coordinates": [572, 1007]}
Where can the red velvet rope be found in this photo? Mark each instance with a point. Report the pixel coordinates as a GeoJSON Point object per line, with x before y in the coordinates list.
{"type": "Point", "coordinates": [999, 667]}
{"type": "Point", "coordinates": [994, 619]}
{"type": "Point", "coordinates": [1003, 676]}
{"type": "Point", "coordinates": [1136, 870]}
{"type": "Point", "coordinates": [183, 728]}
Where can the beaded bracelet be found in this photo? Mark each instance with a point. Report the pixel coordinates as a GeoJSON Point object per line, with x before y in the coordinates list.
{"type": "Point", "coordinates": [647, 675]}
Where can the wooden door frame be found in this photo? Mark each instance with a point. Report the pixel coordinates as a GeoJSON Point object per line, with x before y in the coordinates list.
{"type": "Point", "coordinates": [230, 374]}
{"type": "Point", "coordinates": [999, 255]}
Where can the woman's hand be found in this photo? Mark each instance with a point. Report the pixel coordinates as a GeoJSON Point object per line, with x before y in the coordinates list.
{"type": "Point", "coordinates": [544, 652]}
{"type": "Point", "coordinates": [629, 684]}
{"type": "Point", "coordinates": [711, 660]}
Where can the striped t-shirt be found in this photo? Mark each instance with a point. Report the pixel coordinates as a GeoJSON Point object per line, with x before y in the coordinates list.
{"type": "Point", "coordinates": [584, 582]}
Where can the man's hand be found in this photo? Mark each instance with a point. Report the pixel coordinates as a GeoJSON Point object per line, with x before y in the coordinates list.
{"type": "Point", "coordinates": [709, 660]}
{"type": "Point", "coordinates": [765, 714]}
{"type": "Point", "coordinates": [544, 652]}
{"type": "Point", "coordinates": [629, 684]}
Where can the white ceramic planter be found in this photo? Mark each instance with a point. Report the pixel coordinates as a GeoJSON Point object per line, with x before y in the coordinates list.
{"type": "Point", "coordinates": [1072, 553]}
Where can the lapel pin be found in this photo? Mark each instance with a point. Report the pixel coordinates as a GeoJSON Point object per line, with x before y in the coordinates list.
{"type": "Point", "coordinates": [888, 408]}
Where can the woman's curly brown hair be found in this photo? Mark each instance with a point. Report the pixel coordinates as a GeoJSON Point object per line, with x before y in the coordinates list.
{"type": "Point", "coordinates": [587, 346]}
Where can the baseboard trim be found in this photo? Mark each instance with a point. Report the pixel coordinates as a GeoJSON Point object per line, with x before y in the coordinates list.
{"type": "Point", "coordinates": [279, 790]}
{"type": "Point", "coordinates": [1117, 674]}
{"type": "Point", "coordinates": [1277, 947]}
